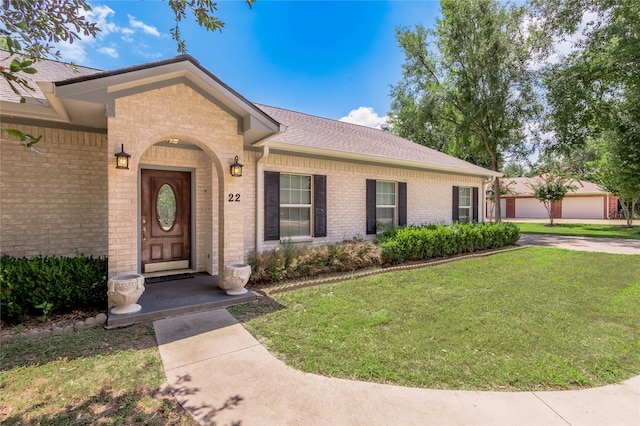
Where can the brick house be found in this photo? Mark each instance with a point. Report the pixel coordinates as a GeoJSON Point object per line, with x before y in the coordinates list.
{"type": "Point", "coordinates": [304, 178]}
{"type": "Point", "coordinates": [587, 201]}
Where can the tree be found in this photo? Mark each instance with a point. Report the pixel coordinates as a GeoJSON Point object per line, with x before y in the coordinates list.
{"type": "Point", "coordinates": [467, 88]}
{"type": "Point", "coordinates": [593, 93]}
{"type": "Point", "coordinates": [30, 28]}
{"type": "Point", "coordinates": [552, 187]}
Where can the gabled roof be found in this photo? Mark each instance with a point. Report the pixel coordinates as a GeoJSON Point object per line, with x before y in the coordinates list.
{"type": "Point", "coordinates": [85, 96]}
{"type": "Point", "coordinates": [521, 187]}
{"type": "Point", "coordinates": [87, 99]}
{"type": "Point", "coordinates": [331, 138]}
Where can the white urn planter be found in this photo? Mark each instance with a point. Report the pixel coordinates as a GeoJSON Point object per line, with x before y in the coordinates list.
{"type": "Point", "coordinates": [236, 276]}
{"type": "Point", "coordinates": [123, 293]}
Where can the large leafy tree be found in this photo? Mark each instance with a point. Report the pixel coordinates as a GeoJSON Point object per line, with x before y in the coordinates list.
{"type": "Point", "coordinates": [594, 92]}
{"type": "Point", "coordinates": [467, 86]}
{"type": "Point", "coordinates": [29, 30]}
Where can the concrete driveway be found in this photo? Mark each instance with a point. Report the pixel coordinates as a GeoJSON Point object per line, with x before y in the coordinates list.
{"type": "Point", "coordinates": [605, 245]}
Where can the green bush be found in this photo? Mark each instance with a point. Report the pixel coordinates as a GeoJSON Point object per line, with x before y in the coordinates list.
{"type": "Point", "coordinates": [424, 242]}
{"type": "Point", "coordinates": [60, 283]}
{"type": "Point", "coordinates": [292, 262]}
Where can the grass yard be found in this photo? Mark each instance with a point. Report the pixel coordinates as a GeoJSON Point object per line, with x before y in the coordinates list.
{"type": "Point", "coordinates": [580, 230]}
{"type": "Point", "coordinates": [531, 319]}
{"type": "Point", "coordinates": [91, 377]}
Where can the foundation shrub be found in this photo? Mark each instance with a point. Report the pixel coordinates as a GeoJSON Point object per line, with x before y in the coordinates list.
{"type": "Point", "coordinates": [61, 284]}
{"type": "Point", "coordinates": [414, 243]}
{"type": "Point", "coordinates": [291, 262]}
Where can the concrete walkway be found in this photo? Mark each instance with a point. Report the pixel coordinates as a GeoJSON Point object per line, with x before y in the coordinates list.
{"type": "Point", "coordinates": [223, 376]}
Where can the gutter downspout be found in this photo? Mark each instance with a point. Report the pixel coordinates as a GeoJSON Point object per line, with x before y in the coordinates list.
{"type": "Point", "coordinates": [260, 187]}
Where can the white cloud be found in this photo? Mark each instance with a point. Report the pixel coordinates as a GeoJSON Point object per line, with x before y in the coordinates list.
{"type": "Point", "coordinates": [110, 51]}
{"type": "Point", "coordinates": [364, 116]}
{"type": "Point", "coordinates": [147, 29]}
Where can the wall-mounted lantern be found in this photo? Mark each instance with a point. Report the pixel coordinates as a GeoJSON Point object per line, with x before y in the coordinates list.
{"type": "Point", "coordinates": [122, 159]}
{"type": "Point", "coordinates": [236, 168]}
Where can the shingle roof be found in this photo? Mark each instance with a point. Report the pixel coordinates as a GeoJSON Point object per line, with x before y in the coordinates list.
{"type": "Point", "coordinates": [322, 133]}
{"type": "Point", "coordinates": [48, 70]}
{"type": "Point", "coordinates": [304, 130]}
{"type": "Point", "coordinates": [521, 187]}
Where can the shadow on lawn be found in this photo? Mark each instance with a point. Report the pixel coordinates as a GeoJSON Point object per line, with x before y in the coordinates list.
{"type": "Point", "coordinates": [131, 408]}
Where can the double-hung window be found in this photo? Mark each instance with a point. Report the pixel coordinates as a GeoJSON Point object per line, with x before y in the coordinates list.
{"type": "Point", "coordinates": [465, 204]}
{"type": "Point", "coordinates": [295, 205]}
{"type": "Point", "coordinates": [385, 203]}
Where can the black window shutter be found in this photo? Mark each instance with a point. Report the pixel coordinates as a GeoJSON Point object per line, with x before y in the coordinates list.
{"type": "Point", "coordinates": [271, 206]}
{"type": "Point", "coordinates": [371, 206]}
{"type": "Point", "coordinates": [402, 204]}
{"type": "Point", "coordinates": [319, 206]}
{"type": "Point", "coordinates": [475, 204]}
{"type": "Point", "coordinates": [455, 204]}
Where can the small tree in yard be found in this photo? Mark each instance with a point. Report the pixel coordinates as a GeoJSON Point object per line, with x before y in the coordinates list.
{"type": "Point", "coordinates": [551, 187]}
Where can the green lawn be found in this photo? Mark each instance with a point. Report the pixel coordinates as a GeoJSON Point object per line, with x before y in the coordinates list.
{"type": "Point", "coordinates": [531, 319]}
{"type": "Point", "coordinates": [90, 377]}
{"type": "Point", "coordinates": [579, 230]}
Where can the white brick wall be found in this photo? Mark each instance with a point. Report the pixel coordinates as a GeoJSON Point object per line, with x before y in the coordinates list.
{"type": "Point", "coordinates": [429, 195]}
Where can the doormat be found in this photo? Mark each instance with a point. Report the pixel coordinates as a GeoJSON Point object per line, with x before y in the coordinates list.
{"type": "Point", "coordinates": [164, 278]}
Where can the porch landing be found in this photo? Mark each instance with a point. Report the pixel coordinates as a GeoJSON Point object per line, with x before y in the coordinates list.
{"type": "Point", "coordinates": [177, 297]}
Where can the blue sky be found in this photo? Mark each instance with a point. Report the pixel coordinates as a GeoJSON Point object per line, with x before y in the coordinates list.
{"type": "Point", "coordinates": [326, 58]}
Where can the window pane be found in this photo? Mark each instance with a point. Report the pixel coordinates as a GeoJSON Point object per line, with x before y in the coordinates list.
{"type": "Point", "coordinates": [295, 221]}
{"type": "Point", "coordinates": [463, 214]}
{"type": "Point", "coordinates": [465, 197]}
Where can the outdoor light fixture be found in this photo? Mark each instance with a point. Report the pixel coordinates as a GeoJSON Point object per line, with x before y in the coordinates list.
{"type": "Point", "coordinates": [122, 159]}
{"type": "Point", "coordinates": [173, 141]}
{"type": "Point", "coordinates": [236, 168]}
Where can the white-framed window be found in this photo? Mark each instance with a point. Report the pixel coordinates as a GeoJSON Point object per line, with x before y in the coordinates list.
{"type": "Point", "coordinates": [464, 204]}
{"type": "Point", "coordinates": [385, 203]}
{"type": "Point", "coordinates": [295, 205]}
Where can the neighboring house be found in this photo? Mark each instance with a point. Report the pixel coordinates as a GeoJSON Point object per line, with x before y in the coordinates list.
{"type": "Point", "coordinates": [306, 179]}
{"type": "Point", "coordinates": [587, 201]}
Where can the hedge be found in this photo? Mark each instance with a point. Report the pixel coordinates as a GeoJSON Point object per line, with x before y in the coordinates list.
{"type": "Point", "coordinates": [37, 285]}
{"type": "Point", "coordinates": [424, 242]}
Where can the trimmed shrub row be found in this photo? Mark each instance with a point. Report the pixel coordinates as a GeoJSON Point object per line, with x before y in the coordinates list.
{"type": "Point", "coordinates": [291, 262]}
{"type": "Point", "coordinates": [39, 285]}
{"type": "Point", "coordinates": [425, 242]}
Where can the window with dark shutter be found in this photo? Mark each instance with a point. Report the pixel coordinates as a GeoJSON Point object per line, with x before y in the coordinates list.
{"type": "Point", "coordinates": [371, 206]}
{"type": "Point", "coordinates": [455, 204]}
{"type": "Point", "coordinates": [402, 204]}
{"type": "Point", "coordinates": [319, 206]}
{"type": "Point", "coordinates": [271, 206]}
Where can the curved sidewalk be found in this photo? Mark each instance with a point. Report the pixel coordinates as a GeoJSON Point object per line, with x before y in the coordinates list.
{"type": "Point", "coordinates": [222, 375]}
{"type": "Point", "coordinates": [605, 245]}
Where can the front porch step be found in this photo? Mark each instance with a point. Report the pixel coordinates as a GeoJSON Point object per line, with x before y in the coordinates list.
{"type": "Point", "coordinates": [171, 298]}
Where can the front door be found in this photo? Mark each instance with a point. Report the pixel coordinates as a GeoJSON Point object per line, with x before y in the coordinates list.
{"type": "Point", "coordinates": [166, 220]}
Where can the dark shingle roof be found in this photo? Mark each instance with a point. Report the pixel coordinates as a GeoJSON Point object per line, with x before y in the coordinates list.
{"type": "Point", "coordinates": [48, 70]}
{"type": "Point", "coordinates": [322, 133]}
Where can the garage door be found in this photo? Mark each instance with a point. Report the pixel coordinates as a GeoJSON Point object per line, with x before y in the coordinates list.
{"type": "Point", "coordinates": [530, 208]}
{"type": "Point", "coordinates": [583, 208]}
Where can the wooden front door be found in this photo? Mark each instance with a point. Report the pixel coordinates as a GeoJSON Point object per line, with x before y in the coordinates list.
{"type": "Point", "coordinates": [166, 220]}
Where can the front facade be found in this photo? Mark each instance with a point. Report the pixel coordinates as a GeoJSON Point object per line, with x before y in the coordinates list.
{"type": "Point", "coordinates": [304, 179]}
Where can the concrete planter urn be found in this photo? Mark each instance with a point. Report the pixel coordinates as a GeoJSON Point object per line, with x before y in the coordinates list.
{"type": "Point", "coordinates": [123, 293]}
{"type": "Point", "coordinates": [236, 276]}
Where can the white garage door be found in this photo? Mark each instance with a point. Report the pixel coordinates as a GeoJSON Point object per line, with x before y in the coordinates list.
{"type": "Point", "coordinates": [530, 208]}
{"type": "Point", "coordinates": [583, 208]}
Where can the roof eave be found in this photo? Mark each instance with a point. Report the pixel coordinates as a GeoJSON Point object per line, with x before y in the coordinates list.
{"type": "Point", "coordinates": [376, 159]}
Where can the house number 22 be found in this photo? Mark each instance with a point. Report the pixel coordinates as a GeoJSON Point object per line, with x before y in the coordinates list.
{"type": "Point", "coordinates": [234, 197]}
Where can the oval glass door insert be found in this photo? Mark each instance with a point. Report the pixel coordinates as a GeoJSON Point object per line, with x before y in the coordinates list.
{"type": "Point", "coordinates": [166, 207]}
